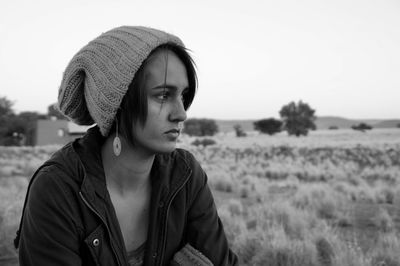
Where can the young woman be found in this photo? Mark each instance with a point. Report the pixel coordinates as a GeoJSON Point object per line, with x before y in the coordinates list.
{"type": "Point", "coordinates": [123, 194]}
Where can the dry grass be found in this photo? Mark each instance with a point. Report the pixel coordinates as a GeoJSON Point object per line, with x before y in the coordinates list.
{"type": "Point", "coordinates": [328, 199]}
{"type": "Point", "coordinates": [12, 194]}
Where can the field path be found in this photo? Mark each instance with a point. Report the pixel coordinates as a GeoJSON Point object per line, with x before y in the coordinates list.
{"type": "Point", "coordinates": [368, 222]}
{"type": "Point", "coordinates": [367, 214]}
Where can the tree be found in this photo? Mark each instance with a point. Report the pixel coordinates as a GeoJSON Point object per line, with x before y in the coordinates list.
{"type": "Point", "coordinates": [17, 129]}
{"type": "Point", "coordinates": [200, 127]}
{"type": "Point", "coordinates": [13, 131]}
{"type": "Point", "coordinates": [6, 113]}
{"type": "Point", "coordinates": [361, 127]}
{"type": "Point", "coordinates": [268, 126]}
{"type": "Point", "coordinates": [298, 118]}
{"type": "Point", "coordinates": [5, 107]}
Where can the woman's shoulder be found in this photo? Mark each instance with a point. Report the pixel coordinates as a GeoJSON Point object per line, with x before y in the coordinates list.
{"type": "Point", "coordinates": [181, 161]}
{"type": "Point", "coordinates": [186, 155]}
{"type": "Point", "coordinates": [53, 188]}
{"type": "Point", "coordinates": [198, 175]}
{"type": "Point", "coordinates": [182, 158]}
{"type": "Point", "coordinates": [59, 171]}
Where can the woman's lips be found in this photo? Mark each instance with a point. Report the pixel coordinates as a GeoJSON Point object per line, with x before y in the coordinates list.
{"type": "Point", "coordinates": [173, 133]}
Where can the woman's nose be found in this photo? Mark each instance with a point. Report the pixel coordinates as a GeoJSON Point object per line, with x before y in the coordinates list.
{"type": "Point", "coordinates": [178, 112]}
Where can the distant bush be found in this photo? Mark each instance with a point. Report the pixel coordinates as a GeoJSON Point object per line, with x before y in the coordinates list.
{"type": "Point", "coordinates": [268, 126]}
{"type": "Point", "coordinates": [204, 142]}
{"type": "Point", "coordinates": [239, 131]}
{"type": "Point", "coordinates": [361, 127]}
{"type": "Point", "coordinates": [333, 128]}
{"type": "Point", "coordinates": [222, 183]}
{"type": "Point", "coordinates": [200, 127]}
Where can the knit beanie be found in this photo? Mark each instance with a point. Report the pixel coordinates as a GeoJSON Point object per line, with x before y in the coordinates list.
{"type": "Point", "coordinates": [98, 76]}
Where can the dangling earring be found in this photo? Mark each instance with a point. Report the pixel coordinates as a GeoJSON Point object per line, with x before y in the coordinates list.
{"type": "Point", "coordinates": [117, 142]}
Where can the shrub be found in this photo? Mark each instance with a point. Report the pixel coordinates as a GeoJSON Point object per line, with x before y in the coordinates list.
{"type": "Point", "coordinates": [200, 127]}
{"type": "Point", "coordinates": [245, 191]}
{"type": "Point", "coordinates": [291, 253]}
{"type": "Point", "coordinates": [325, 252]}
{"type": "Point", "coordinates": [268, 126]}
{"type": "Point", "coordinates": [292, 220]}
{"type": "Point", "coordinates": [326, 209]}
{"type": "Point", "coordinates": [235, 207]}
{"type": "Point", "coordinates": [248, 248]}
{"type": "Point", "coordinates": [361, 127]}
{"type": "Point", "coordinates": [222, 183]}
{"type": "Point", "coordinates": [239, 131]}
{"type": "Point", "coordinates": [7, 171]}
{"type": "Point", "coordinates": [203, 142]}
{"type": "Point", "coordinates": [385, 195]}
{"type": "Point", "coordinates": [383, 221]}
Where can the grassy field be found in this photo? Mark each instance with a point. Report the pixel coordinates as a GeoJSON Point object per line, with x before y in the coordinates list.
{"type": "Point", "coordinates": [332, 198]}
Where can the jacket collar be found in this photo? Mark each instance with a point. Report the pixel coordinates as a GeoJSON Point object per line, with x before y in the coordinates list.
{"type": "Point", "coordinates": [88, 149]}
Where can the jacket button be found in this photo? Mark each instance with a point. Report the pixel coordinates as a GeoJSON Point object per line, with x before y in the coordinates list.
{"type": "Point", "coordinates": [96, 242]}
{"type": "Point", "coordinates": [161, 204]}
{"type": "Point", "coordinates": [154, 255]}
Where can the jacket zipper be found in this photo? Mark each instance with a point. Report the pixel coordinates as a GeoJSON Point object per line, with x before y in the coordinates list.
{"type": "Point", "coordinates": [166, 218]}
{"type": "Point", "coordinates": [101, 218]}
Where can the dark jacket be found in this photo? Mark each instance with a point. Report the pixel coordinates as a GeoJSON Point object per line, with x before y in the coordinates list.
{"type": "Point", "coordinates": [68, 217]}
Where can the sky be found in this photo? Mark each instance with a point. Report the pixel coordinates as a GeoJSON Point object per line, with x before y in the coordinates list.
{"type": "Point", "coordinates": [341, 57]}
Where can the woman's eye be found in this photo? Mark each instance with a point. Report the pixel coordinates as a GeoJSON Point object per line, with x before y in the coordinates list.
{"type": "Point", "coordinates": [183, 95]}
{"type": "Point", "coordinates": [163, 96]}
{"type": "Point", "coordinates": [168, 95]}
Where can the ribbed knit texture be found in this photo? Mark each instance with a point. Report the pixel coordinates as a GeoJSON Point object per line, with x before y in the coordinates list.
{"type": "Point", "coordinates": [189, 256]}
{"type": "Point", "coordinates": [98, 76]}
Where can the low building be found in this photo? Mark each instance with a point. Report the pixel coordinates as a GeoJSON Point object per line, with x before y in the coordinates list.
{"type": "Point", "coordinates": [51, 132]}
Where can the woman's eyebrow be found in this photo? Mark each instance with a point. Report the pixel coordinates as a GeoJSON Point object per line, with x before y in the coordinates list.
{"type": "Point", "coordinates": [167, 86]}
{"type": "Point", "coordinates": [164, 86]}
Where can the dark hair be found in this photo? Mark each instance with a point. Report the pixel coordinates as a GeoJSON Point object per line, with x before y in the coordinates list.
{"type": "Point", "coordinates": [133, 107]}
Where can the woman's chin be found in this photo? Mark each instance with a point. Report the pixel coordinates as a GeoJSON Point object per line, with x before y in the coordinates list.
{"type": "Point", "coordinates": [165, 148]}
{"type": "Point", "coordinates": [168, 149]}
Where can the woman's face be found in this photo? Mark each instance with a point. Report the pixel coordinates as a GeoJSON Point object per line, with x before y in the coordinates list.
{"type": "Point", "coordinates": [165, 82]}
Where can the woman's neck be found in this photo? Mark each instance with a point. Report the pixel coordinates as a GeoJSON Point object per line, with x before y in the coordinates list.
{"type": "Point", "coordinates": [128, 172]}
